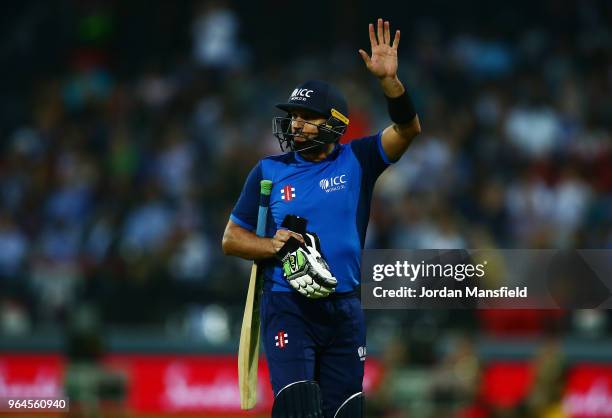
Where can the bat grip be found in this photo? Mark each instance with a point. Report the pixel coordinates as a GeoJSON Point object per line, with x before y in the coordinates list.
{"type": "Point", "coordinates": [264, 202]}
{"type": "Point", "coordinates": [261, 221]}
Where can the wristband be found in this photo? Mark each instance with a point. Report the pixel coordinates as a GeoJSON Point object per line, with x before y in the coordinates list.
{"type": "Point", "coordinates": [401, 109]}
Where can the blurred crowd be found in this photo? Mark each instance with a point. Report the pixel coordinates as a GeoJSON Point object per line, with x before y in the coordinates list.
{"type": "Point", "coordinates": [116, 185]}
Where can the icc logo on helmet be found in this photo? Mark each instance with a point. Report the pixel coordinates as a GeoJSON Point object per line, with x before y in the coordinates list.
{"type": "Point", "coordinates": [333, 183]}
{"type": "Point", "coordinates": [301, 94]}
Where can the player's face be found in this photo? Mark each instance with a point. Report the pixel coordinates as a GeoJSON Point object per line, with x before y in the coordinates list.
{"type": "Point", "coordinates": [305, 123]}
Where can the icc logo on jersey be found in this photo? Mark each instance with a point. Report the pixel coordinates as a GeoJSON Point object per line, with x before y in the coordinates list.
{"type": "Point", "coordinates": [333, 184]}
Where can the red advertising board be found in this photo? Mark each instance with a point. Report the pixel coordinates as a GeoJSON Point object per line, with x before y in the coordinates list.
{"type": "Point", "coordinates": [188, 384]}
{"type": "Point", "coordinates": [505, 384]}
{"type": "Point", "coordinates": [168, 383]}
{"type": "Point", "coordinates": [208, 384]}
{"type": "Point", "coordinates": [588, 392]}
{"type": "Point", "coordinates": [31, 376]}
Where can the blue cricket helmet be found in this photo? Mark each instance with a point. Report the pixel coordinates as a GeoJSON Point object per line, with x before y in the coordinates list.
{"type": "Point", "coordinates": [317, 97]}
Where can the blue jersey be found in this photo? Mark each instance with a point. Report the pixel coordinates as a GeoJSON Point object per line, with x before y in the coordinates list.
{"type": "Point", "coordinates": [334, 195]}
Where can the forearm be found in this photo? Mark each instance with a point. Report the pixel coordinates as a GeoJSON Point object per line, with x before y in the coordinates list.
{"type": "Point", "coordinates": [405, 121]}
{"type": "Point", "coordinates": [406, 126]}
{"type": "Point", "coordinates": [245, 244]}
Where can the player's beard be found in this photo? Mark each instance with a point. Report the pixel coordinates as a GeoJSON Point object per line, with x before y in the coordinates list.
{"type": "Point", "coordinates": [310, 149]}
{"type": "Point", "coordinates": [309, 146]}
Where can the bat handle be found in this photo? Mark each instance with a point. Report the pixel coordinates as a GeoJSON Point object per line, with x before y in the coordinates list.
{"type": "Point", "coordinates": [264, 202]}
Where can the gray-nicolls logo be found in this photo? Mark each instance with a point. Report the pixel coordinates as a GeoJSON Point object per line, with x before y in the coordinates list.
{"type": "Point", "coordinates": [332, 184]}
{"type": "Point", "coordinates": [362, 351]}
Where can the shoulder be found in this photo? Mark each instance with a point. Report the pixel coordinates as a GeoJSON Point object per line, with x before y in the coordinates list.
{"type": "Point", "coordinates": [365, 140]}
{"type": "Point", "coordinates": [370, 153]}
{"type": "Point", "coordinates": [367, 145]}
{"type": "Point", "coordinates": [273, 165]}
{"type": "Point", "coordinates": [283, 158]}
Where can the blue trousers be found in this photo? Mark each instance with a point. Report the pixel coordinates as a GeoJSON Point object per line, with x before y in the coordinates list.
{"type": "Point", "coordinates": [320, 339]}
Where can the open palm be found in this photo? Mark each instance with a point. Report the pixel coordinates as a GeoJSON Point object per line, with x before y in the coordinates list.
{"type": "Point", "coordinates": [383, 62]}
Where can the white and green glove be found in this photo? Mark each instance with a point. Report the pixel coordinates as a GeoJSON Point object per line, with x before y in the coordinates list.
{"type": "Point", "coordinates": [305, 268]}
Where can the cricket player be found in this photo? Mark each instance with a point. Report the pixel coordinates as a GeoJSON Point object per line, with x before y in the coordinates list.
{"type": "Point", "coordinates": [312, 323]}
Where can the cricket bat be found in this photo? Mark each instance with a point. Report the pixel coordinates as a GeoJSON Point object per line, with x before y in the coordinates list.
{"type": "Point", "coordinates": [248, 350]}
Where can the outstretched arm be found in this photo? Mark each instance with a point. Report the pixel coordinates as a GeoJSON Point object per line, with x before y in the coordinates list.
{"type": "Point", "coordinates": [383, 64]}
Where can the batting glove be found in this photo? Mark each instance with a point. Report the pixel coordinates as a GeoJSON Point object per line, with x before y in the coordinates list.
{"type": "Point", "coordinates": [305, 268]}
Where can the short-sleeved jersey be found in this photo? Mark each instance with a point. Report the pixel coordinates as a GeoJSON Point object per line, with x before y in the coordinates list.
{"type": "Point", "coordinates": [334, 195]}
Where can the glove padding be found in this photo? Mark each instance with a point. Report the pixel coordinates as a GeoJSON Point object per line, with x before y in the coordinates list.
{"type": "Point", "coordinates": [304, 267]}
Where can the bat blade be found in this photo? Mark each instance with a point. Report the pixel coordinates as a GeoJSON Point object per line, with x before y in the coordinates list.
{"type": "Point", "coordinates": [248, 351]}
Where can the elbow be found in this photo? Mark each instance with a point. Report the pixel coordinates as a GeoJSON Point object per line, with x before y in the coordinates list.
{"type": "Point", "coordinates": [226, 245]}
{"type": "Point", "coordinates": [410, 130]}
{"type": "Point", "coordinates": [416, 126]}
